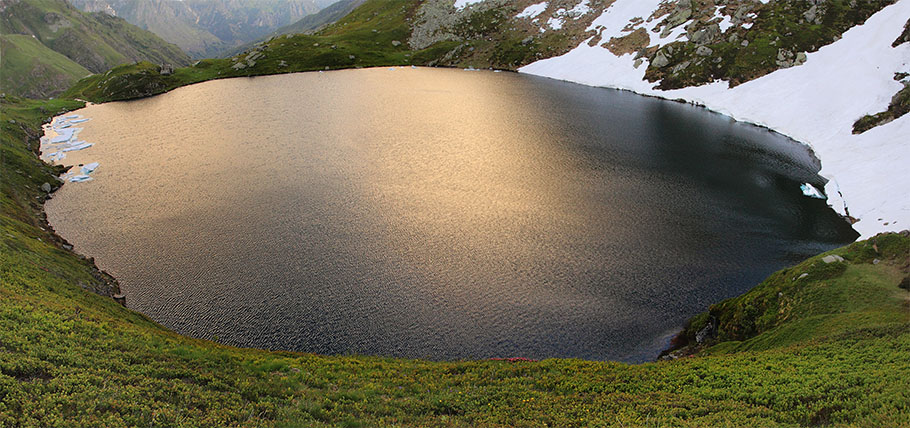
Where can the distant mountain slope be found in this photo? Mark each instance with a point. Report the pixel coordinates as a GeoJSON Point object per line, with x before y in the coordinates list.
{"type": "Point", "coordinates": [308, 24]}
{"type": "Point", "coordinates": [171, 20]}
{"type": "Point", "coordinates": [330, 14]}
{"type": "Point", "coordinates": [207, 28]}
{"type": "Point", "coordinates": [30, 68]}
{"type": "Point", "coordinates": [93, 41]}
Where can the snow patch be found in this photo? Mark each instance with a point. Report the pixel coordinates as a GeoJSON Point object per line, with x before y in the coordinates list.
{"type": "Point", "coordinates": [815, 103]}
{"type": "Point", "coordinates": [555, 23]}
{"type": "Point", "coordinates": [725, 20]}
{"type": "Point", "coordinates": [614, 22]}
{"type": "Point", "coordinates": [461, 4]}
{"type": "Point", "coordinates": [581, 9]}
{"type": "Point", "coordinates": [533, 10]}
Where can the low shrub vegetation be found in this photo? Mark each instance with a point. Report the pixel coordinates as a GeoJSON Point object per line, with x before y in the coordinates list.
{"type": "Point", "coordinates": [818, 343]}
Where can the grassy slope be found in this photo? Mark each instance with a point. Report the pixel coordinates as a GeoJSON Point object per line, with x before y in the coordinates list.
{"type": "Point", "coordinates": [167, 19]}
{"type": "Point", "coordinates": [326, 16]}
{"type": "Point", "coordinates": [831, 347]}
{"type": "Point", "coordinates": [94, 41]}
{"type": "Point", "coordinates": [34, 70]}
{"type": "Point", "coordinates": [308, 24]}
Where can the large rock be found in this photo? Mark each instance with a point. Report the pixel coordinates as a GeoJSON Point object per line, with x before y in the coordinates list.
{"type": "Point", "coordinates": [705, 35]}
{"type": "Point", "coordinates": [833, 258]}
{"type": "Point", "coordinates": [660, 60]}
{"type": "Point", "coordinates": [709, 331]}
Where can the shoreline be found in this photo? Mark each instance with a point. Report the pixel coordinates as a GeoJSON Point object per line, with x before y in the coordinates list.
{"type": "Point", "coordinates": [669, 337]}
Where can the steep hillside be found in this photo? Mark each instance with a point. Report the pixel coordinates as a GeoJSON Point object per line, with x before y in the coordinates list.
{"type": "Point", "coordinates": [171, 20]}
{"type": "Point", "coordinates": [32, 69]}
{"type": "Point", "coordinates": [207, 28]}
{"type": "Point", "coordinates": [96, 42]}
{"type": "Point", "coordinates": [326, 16]}
{"type": "Point", "coordinates": [824, 342]}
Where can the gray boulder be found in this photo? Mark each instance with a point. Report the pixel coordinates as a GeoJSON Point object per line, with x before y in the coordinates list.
{"type": "Point", "coordinates": [833, 258]}
{"type": "Point", "coordinates": [660, 60]}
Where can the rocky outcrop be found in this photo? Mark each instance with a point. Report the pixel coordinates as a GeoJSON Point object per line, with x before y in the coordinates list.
{"type": "Point", "coordinates": [899, 106]}
{"type": "Point", "coordinates": [904, 37]}
{"type": "Point", "coordinates": [756, 38]}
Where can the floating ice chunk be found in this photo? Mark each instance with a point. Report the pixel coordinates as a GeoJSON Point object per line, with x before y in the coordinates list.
{"type": "Point", "coordinates": [81, 146]}
{"type": "Point", "coordinates": [63, 136]}
{"type": "Point", "coordinates": [810, 191]}
{"type": "Point", "coordinates": [56, 156]}
{"type": "Point", "coordinates": [89, 167]}
{"type": "Point", "coordinates": [80, 178]}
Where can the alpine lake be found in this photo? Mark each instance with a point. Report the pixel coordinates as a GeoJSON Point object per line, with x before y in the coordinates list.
{"type": "Point", "coordinates": [435, 213]}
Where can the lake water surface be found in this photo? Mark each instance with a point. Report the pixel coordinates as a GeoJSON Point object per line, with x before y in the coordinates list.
{"type": "Point", "coordinates": [435, 213]}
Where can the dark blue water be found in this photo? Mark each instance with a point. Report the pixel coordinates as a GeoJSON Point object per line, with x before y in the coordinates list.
{"type": "Point", "coordinates": [436, 213]}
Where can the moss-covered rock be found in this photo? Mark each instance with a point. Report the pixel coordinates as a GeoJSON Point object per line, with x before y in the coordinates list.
{"type": "Point", "coordinates": [777, 35]}
{"type": "Point", "coordinates": [899, 106]}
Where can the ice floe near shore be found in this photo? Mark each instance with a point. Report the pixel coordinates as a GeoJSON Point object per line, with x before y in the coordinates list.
{"type": "Point", "coordinates": [810, 191]}
{"type": "Point", "coordinates": [60, 138]}
{"type": "Point", "coordinates": [815, 103]}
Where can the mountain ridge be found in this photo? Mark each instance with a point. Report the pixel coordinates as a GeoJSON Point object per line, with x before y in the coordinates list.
{"type": "Point", "coordinates": [83, 41]}
{"type": "Point", "coordinates": [207, 28]}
